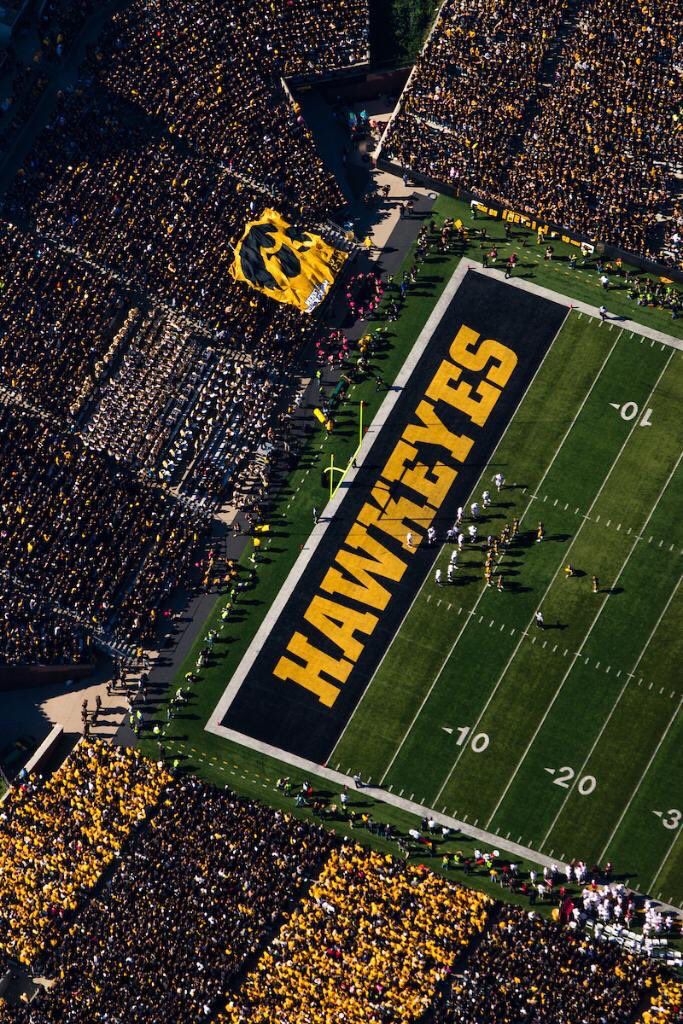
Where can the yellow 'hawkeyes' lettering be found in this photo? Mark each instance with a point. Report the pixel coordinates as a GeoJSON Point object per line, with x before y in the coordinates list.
{"type": "Point", "coordinates": [365, 568]}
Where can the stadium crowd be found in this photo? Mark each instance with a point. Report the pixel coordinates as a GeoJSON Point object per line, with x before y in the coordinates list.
{"type": "Point", "coordinates": [219, 89]}
{"type": "Point", "coordinates": [371, 942]}
{"type": "Point", "coordinates": [58, 321]}
{"type": "Point", "coordinates": [220, 908]}
{"type": "Point", "coordinates": [464, 110]}
{"type": "Point", "coordinates": [193, 897]}
{"type": "Point", "coordinates": [85, 534]}
{"type": "Point", "coordinates": [596, 150]}
{"type": "Point", "coordinates": [32, 633]}
{"type": "Point", "coordinates": [120, 321]}
{"type": "Point", "coordinates": [526, 968]}
{"type": "Point", "coordinates": [57, 836]}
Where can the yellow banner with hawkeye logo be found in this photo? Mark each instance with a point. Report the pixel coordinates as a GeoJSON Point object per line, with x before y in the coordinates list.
{"type": "Point", "coordinates": [286, 263]}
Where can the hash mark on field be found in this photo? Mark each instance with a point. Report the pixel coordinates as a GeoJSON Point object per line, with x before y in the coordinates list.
{"type": "Point", "coordinates": [661, 691]}
{"type": "Point", "coordinates": [545, 644]}
{"type": "Point", "coordinates": [490, 623]}
{"type": "Point", "coordinates": [618, 673]}
{"type": "Point", "coordinates": [481, 618]}
{"type": "Point", "coordinates": [649, 687]}
{"type": "Point", "coordinates": [566, 505]}
{"type": "Point", "coordinates": [554, 648]}
{"type": "Point", "coordinates": [566, 652]}
{"type": "Point", "coordinates": [438, 602]}
{"type": "Point", "coordinates": [502, 627]}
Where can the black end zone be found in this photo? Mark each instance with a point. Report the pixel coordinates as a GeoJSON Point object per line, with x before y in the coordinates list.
{"type": "Point", "coordinates": [270, 706]}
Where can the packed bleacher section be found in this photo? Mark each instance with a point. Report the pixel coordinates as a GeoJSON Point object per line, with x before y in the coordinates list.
{"type": "Point", "coordinates": [219, 88]}
{"type": "Point", "coordinates": [31, 632]}
{"type": "Point", "coordinates": [464, 110]}
{"type": "Point", "coordinates": [193, 897]}
{"type": "Point", "coordinates": [568, 112]}
{"type": "Point", "coordinates": [58, 835]}
{"type": "Point", "coordinates": [601, 152]}
{"type": "Point", "coordinates": [129, 358]}
{"type": "Point", "coordinates": [84, 533]}
{"type": "Point", "coordinates": [372, 940]}
{"type": "Point", "coordinates": [529, 969]}
{"type": "Point", "coordinates": [218, 908]}
{"type": "Point", "coordinates": [58, 322]}
{"type": "Point", "coordinates": [666, 1005]}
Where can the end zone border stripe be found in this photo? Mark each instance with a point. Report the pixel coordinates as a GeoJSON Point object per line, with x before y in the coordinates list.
{"type": "Point", "coordinates": [213, 724]}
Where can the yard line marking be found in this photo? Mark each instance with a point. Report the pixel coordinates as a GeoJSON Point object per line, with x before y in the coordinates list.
{"type": "Point", "coordinates": [483, 591]}
{"type": "Point", "coordinates": [554, 577]}
{"type": "Point", "coordinates": [666, 857]}
{"type": "Point", "coordinates": [590, 753]}
{"type": "Point", "coordinates": [439, 552]}
{"type": "Point", "coordinates": [623, 814]}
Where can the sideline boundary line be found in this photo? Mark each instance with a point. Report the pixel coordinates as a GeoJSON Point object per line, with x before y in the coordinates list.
{"type": "Point", "coordinates": [582, 307]}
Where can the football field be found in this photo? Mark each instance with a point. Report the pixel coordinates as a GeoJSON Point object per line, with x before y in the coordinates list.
{"type": "Point", "coordinates": [565, 739]}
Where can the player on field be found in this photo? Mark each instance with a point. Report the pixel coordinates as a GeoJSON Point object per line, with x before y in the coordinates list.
{"type": "Point", "coordinates": [569, 570]}
{"type": "Point", "coordinates": [450, 571]}
{"type": "Point", "coordinates": [540, 532]}
{"type": "Point", "coordinates": [437, 577]}
{"type": "Point", "coordinates": [431, 535]}
{"type": "Point", "coordinates": [461, 541]}
{"type": "Point", "coordinates": [486, 499]}
{"type": "Point", "coordinates": [499, 481]}
{"type": "Point", "coordinates": [474, 509]}
{"type": "Point", "coordinates": [472, 530]}
{"type": "Point", "coordinates": [499, 583]}
{"type": "Point", "coordinates": [539, 619]}
{"type": "Point", "coordinates": [515, 528]}
{"type": "Point", "coordinates": [454, 556]}
{"type": "Point", "coordinates": [595, 583]}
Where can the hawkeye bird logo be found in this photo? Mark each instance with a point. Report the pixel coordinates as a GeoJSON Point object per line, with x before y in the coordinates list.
{"type": "Point", "coordinates": [282, 261]}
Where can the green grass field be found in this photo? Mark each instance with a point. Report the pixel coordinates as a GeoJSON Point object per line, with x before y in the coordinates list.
{"type": "Point", "coordinates": [565, 739]}
{"type": "Point", "coordinates": [620, 739]}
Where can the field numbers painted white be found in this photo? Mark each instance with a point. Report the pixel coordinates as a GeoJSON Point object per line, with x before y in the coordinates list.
{"type": "Point", "coordinates": [629, 410]}
{"type": "Point", "coordinates": [673, 818]}
{"type": "Point", "coordinates": [565, 775]}
{"type": "Point", "coordinates": [478, 743]}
